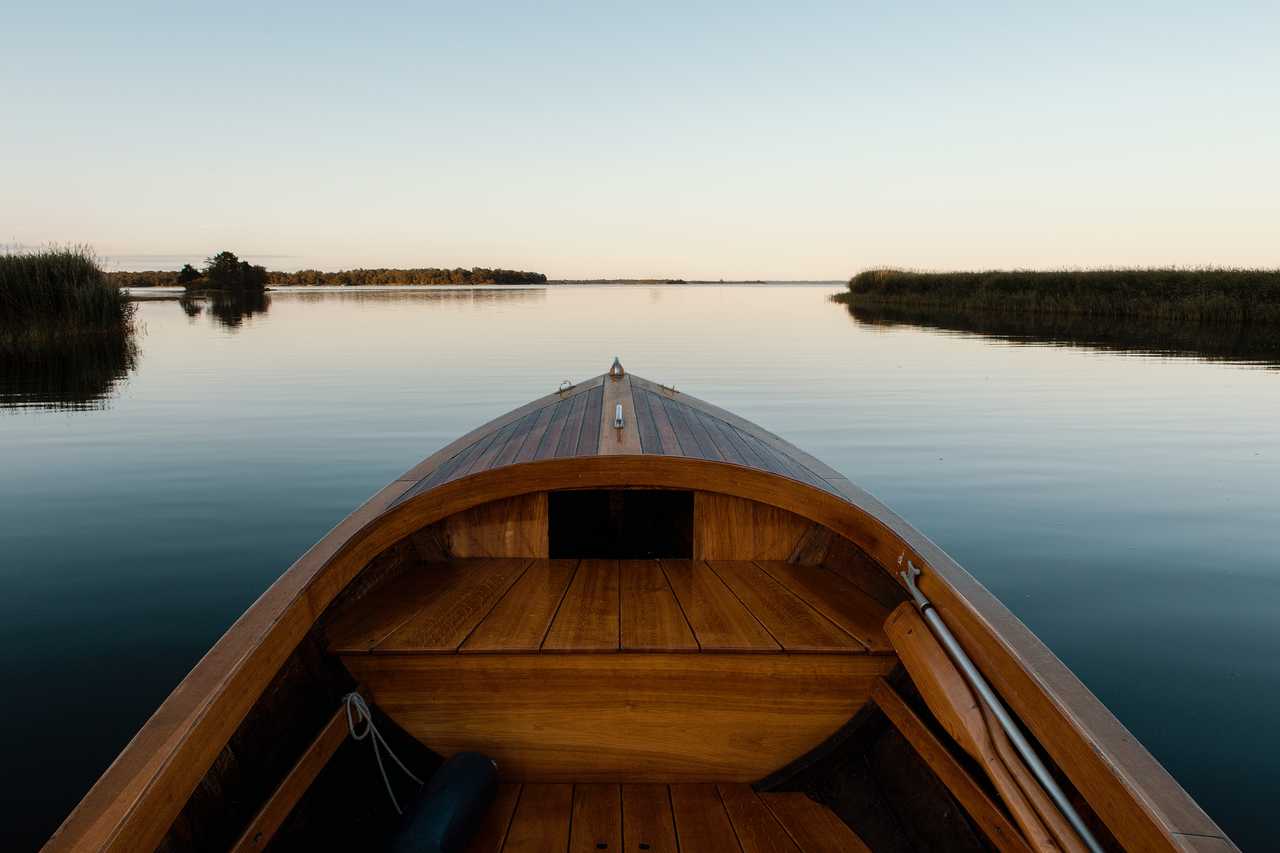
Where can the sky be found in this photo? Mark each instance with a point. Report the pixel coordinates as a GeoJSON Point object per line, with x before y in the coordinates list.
{"type": "Point", "coordinates": [697, 140]}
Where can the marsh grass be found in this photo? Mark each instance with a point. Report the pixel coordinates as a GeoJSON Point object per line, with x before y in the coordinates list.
{"type": "Point", "coordinates": [1211, 295]}
{"type": "Point", "coordinates": [55, 295]}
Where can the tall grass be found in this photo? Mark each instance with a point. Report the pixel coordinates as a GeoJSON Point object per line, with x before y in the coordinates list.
{"type": "Point", "coordinates": [56, 294]}
{"type": "Point", "coordinates": [1227, 296]}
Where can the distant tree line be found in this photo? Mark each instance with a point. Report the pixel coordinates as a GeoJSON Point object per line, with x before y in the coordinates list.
{"type": "Point", "coordinates": [231, 268]}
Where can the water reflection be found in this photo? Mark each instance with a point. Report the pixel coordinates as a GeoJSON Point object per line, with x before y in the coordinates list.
{"type": "Point", "coordinates": [1258, 344]}
{"type": "Point", "coordinates": [228, 308]}
{"type": "Point", "coordinates": [75, 374]}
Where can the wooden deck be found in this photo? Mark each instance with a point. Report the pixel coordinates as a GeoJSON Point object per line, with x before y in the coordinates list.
{"type": "Point", "coordinates": [505, 605]}
{"type": "Point", "coordinates": [726, 818]}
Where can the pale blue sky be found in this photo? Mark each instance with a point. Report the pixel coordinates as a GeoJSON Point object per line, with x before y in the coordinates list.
{"type": "Point", "coordinates": [787, 140]}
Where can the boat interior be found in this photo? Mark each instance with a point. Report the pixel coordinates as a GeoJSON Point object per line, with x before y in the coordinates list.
{"type": "Point", "coordinates": [685, 635]}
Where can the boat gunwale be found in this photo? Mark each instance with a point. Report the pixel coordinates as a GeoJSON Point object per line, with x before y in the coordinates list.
{"type": "Point", "coordinates": [135, 801]}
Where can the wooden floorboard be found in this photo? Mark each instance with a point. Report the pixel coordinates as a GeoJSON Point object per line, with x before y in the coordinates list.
{"type": "Point", "coordinates": [588, 616]}
{"type": "Point", "coordinates": [520, 621]}
{"type": "Point", "coordinates": [597, 819]}
{"type": "Point", "coordinates": [719, 620]}
{"type": "Point", "coordinates": [837, 599]}
{"type": "Point", "coordinates": [812, 826]}
{"type": "Point", "coordinates": [647, 822]}
{"type": "Point", "coordinates": [757, 829]}
{"type": "Point", "coordinates": [541, 821]}
{"type": "Point", "coordinates": [492, 833]}
{"type": "Point", "coordinates": [702, 825]}
{"type": "Point", "coordinates": [651, 617]}
{"type": "Point", "coordinates": [792, 622]}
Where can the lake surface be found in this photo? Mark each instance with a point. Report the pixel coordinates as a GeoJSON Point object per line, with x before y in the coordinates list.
{"type": "Point", "coordinates": [1127, 507]}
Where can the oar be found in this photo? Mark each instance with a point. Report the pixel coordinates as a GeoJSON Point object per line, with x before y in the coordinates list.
{"type": "Point", "coordinates": [945, 692]}
{"type": "Point", "coordinates": [1053, 819]}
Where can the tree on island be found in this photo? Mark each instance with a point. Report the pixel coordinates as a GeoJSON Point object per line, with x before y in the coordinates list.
{"type": "Point", "coordinates": [224, 271]}
{"type": "Point", "coordinates": [188, 274]}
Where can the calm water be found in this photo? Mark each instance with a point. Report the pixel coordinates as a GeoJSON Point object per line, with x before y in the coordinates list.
{"type": "Point", "coordinates": [1127, 507]}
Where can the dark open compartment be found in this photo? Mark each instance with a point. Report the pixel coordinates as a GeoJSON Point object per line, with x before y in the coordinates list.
{"type": "Point", "coordinates": [621, 524]}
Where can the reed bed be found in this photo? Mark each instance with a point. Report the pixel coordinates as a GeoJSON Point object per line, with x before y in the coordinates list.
{"type": "Point", "coordinates": [57, 294]}
{"type": "Point", "coordinates": [1225, 296]}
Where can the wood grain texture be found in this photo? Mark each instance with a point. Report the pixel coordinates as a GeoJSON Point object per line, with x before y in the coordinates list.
{"type": "Point", "coordinates": [702, 825]}
{"type": "Point", "coordinates": [514, 527]}
{"type": "Point", "coordinates": [835, 598]}
{"type": "Point", "coordinates": [541, 821]}
{"type": "Point", "coordinates": [729, 528]}
{"type": "Point", "coordinates": [718, 619]}
{"type": "Point", "coordinates": [137, 798]}
{"type": "Point", "coordinates": [647, 822]}
{"type": "Point", "coordinates": [651, 617]}
{"type": "Point", "coordinates": [588, 616]}
{"type": "Point", "coordinates": [794, 624]}
{"type": "Point", "coordinates": [954, 705]}
{"type": "Point", "coordinates": [463, 594]}
{"type": "Point", "coordinates": [521, 619]}
{"type": "Point", "coordinates": [613, 440]}
{"type": "Point", "coordinates": [642, 717]}
{"type": "Point", "coordinates": [273, 813]}
{"type": "Point", "coordinates": [757, 829]}
{"type": "Point", "coordinates": [597, 818]}
{"type": "Point", "coordinates": [492, 833]}
{"type": "Point", "coordinates": [984, 812]}
{"type": "Point", "coordinates": [812, 826]}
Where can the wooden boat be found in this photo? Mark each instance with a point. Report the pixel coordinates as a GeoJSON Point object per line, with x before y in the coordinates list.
{"type": "Point", "coordinates": [670, 629]}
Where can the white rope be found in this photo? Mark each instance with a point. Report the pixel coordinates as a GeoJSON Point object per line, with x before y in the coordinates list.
{"type": "Point", "coordinates": [358, 712]}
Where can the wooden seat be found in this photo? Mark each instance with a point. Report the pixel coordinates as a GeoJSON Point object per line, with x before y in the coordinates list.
{"type": "Point", "coordinates": [516, 605]}
{"type": "Point", "coordinates": [711, 818]}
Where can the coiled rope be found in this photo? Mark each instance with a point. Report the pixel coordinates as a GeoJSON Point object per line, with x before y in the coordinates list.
{"type": "Point", "coordinates": [357, 713]}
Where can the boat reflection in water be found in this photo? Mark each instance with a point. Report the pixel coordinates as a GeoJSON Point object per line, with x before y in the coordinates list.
{"type": "Point", "coordinates": [1257, 344]}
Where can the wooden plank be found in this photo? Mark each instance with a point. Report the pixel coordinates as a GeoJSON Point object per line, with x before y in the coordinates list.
{"type": "Point", "coordinates": [568, 444]}
{"type": "Point", "coordinates": [555, 426]}
{"type": "Point", "coordinates": [492, 834]}
{"type": "Point", "coordinates": [541, 821]}
{"type": "Point", "coordinates": [702, 825]}
{"type": "Point", "coordinates": [370, 620]}
{"type": "Point", "coordinates": [651, 618]}
{"type": "Point", "coordinates": [794, 624]}
{"type": "Point", "coordinates": [467, 591]}
{"type": "Point", "coordinates": [515, 441]}
{"type": "Point", "coordinates": [515, 527]}
{"type": "Point", "coordinates": [757, 829]}
{"type": "Point", "coordinates": [624, 717]}
{"type": "Point", "coordinates": [647, 822]}
{"type": "Point", "coordinates": [856, 566]}
{"type": "Point", "coordinates": [519, 622]}
{"type": "Point", "coordinates": [529, 449]}
{"type": "Point", "coordinates": [812, 826]}
{"type": "Point", "coordinates": [837, 599]}
{"type": "Point", "coordinates": [718, 619]}
{"type": "Point", "coordinates": [613, 440]}
{"type": "Point", "coordinates": [650, 440]}
{"type": "Point", "coordinates": [597, 818]}
{"type": "Point", "coordinates": [682, 428]}
{"type": "Point", "coordinates": [588, 617]}
{"type": "Point", "coordinates": [589, 438]}
{"type": "Point", "coordinates": [662, 422]}
{"type": "Point", "coordinates": [984, 812]}
{"type": "Point", "coordinates": [281, 802]}
{"type": "Point", "coordinates": [730, 528]}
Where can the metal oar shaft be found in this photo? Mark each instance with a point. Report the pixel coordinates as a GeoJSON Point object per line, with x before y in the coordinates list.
{"type": "Point", "coordinates": [992, 701]}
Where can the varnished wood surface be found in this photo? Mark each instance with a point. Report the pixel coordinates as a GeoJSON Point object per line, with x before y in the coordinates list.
{"type": "Point", "coordinates": [572, 606]}
{"type": "Point", "coordinates": [520, 621]}
{"type": "Point", "coordinates": [972, 797]}
{"type": "Point", "coordinates": [729, 528]}
{"type": "Point", "coordinates": [516, 527]}
{"type": "Point", "coordinates": [682, 818]}
{"type": "Point", "coordinates": [273, 813]}
{"type": "Point", "coordinates": [633, 717]}
{"type": "Point", "coordinates": [837, 599]}
{"type": "Point", "coordinates": [137, 798]}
